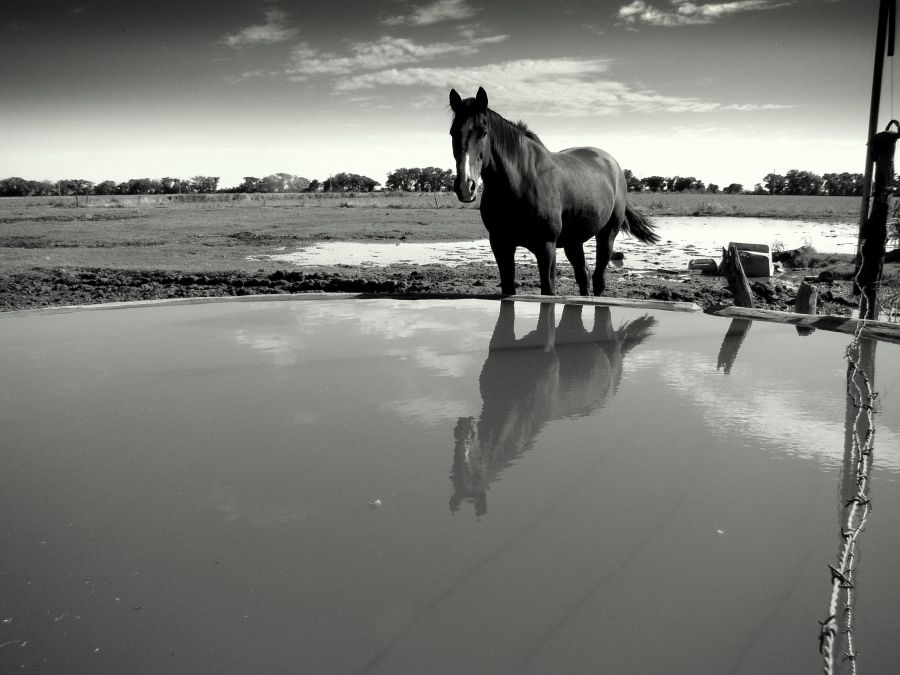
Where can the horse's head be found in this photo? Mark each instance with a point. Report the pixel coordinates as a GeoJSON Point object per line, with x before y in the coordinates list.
{"type": "Point", "coordinates": [469, 132]}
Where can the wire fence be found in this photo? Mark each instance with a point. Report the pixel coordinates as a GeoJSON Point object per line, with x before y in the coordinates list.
{"type": "Point", "coordinates": [836, 640]}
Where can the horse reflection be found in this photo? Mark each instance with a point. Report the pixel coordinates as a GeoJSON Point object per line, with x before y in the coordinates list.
{"type": "Point", "coordinates": [549, 374]}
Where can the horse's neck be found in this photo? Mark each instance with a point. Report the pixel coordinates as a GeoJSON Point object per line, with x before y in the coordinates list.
{"type": "Point", "coordinates": [511, 168]}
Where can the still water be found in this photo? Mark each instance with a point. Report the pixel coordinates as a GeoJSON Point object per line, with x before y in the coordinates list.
{"type": "Point", "coordinates": [681, 238]}
{"type": "Point", "coordinates": [432, 486]}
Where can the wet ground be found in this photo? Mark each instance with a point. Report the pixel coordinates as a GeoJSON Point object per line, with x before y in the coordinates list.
{"type": "Point", "coordinates": [681, 240]}
{"type": "Point", "coordinates": [423, 267]}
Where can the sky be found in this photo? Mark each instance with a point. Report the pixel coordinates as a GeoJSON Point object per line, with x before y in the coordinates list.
{"type": "Point", "coordinates": [723, 91]}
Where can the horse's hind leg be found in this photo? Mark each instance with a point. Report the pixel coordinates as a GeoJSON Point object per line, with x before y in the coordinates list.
{"type": "Point", "coordinates": [605, 240]}
{"type": "Point", "coordinates": [575, 254]}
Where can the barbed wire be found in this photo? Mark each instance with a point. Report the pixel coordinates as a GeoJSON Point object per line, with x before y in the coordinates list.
{"type": "Point", "coordinates": [862, 397]}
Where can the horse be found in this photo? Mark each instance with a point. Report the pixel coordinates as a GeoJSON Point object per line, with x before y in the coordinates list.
{"type": "Point", "coordinates": [553, 372]}
{"type": "Point", "coordinates": [538, 199]}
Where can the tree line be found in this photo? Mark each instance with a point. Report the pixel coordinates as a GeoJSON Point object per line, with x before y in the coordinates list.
{"type": "Point", "coordinates": [428, 179]}
{"type": "Point", "coordinates": [21, 187]}
{"type": "Point", "coordinates": [794, 182]}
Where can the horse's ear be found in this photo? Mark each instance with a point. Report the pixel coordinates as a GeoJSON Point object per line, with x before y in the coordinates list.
{"type": "Point", "coordinates": [481, 99]}
{"type": "Point", "coordinates": [455, 100]}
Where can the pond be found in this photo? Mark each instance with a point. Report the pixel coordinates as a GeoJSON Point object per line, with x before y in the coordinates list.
{"type": "Point", "coordinates": [387, 486]}
{"type": "Point", "coordinates": [682, 238]}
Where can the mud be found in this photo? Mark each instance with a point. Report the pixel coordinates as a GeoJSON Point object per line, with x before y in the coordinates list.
{"type": "Point", "coordinates": [58, 287]}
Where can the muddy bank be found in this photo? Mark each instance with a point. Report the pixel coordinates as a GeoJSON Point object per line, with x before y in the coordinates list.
{"type": "Point", "coordinates": [67, 286]}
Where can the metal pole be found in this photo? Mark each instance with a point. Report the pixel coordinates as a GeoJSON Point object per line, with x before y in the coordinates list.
{"type": "Point", "coordinates": [886, 11]}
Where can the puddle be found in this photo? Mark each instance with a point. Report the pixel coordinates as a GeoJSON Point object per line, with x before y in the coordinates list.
{"type": "Point", "coordinates": [405, 487]}
{"type": "Point", "coordinates": [682, 239]}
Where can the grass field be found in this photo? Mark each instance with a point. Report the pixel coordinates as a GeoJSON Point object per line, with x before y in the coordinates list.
{"type": "Point", "coordinates": [843, 209]}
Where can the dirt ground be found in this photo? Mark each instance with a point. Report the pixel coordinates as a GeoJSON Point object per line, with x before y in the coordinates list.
{"type": "Point", "coordinates": [75, 286]}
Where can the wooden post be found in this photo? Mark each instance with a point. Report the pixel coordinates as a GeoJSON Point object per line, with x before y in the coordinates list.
{"type": "Point", "coordinates": [806, 303]}
{"type": "Point", "coordinates": [873, 234]}
{"type": "Point", "coordinates": [807, 299]}
{"type": "Point", "coordinates": [737, 280]}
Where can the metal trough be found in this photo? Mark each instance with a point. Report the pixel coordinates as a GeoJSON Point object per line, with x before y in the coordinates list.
{"type": "Point", "coordinates": [396, 486]}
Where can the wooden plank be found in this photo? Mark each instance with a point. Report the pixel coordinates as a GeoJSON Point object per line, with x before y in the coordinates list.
{"type": "Point", "coordinates": [288, 297]}
{"type": "Point", "coordinates": [636, 303]}
{"type": "Point", "coordinates": [880, 330]}
{"type": "Point", "coordinates": [737, 280]}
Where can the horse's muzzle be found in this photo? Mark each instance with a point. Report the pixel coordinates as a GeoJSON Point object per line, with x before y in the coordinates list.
{"type": "Point", "coordinates": [465, 191]}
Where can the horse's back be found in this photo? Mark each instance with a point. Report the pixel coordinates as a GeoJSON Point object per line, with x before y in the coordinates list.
{"type": "Point", "coordinates": [592, 157]}
{"type": "Point", "coordinates": [590, 166]}
{"type": "Point", "coordinates": [592, 188]}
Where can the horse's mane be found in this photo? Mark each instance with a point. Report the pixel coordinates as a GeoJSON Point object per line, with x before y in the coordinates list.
{"type": "Point", "coordinates": [508, 133]}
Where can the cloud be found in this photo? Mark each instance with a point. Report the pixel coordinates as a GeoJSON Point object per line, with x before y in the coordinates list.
{"type": "Point", "coordinates": [686, 13]}
{"type": "Point", "coordinates": [273, 31]}
{"type": "Point", "coordinates": [565, 87]}
{"type": "Point", "coordinates": [387, 52]}
{"type": "Point", "coordinates": [435, 12]}
{"type": "Point", "coordinates": [247, 75]}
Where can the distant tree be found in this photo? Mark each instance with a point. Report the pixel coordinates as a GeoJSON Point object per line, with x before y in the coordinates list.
{"type": "Point", "coordinates": [654, 183]}
{"type": "Point", "coordinates": [169, 186]}
{"type": "Point", "coordinates": [712, 188]}
{"type": "Point", "coordinates": [314, 186]}
{"type": "Point", "coordinates": [249, 184]}
{"type": "Point", "coordinates": [843, 184]}
{"type": "Point", "coordinates": [395, 179]}
{"type": "Point", "coordinates": [432, 179]}
{"type": "Point", "coordinates": [135, 186]}
{"type": "Point", "coordinates": [107, 187]}
{"type": "Point", "coordinates": [279, 182]}
{"type": "Point", "coordinates": [14, 187]}
{"type": "Point", "coordinates": [76, 186]}
{"type": "Point", "coordinates": [733, 189]}
{"type": "Point", "coordinates": [632, 182]}
{"type": "Point", "coordinates": [349, 182]}
{"type": "Point", "coordinates": [204, 184]}
{"type": "Point", "coordinates": [682, 183]}
{"type": "Point", "coordinates": [803, 183]}
{"type": "Point", "coordinates": [271, 183]}
{"type": "Point", "coordinates": [403, 179]}
{"type": "Point", "coordinates": [774, 184]}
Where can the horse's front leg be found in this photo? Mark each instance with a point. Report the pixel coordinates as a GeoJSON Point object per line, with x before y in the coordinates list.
{"type": "Point", "coordinates": [505, 255]}
{"type": "Point", "coordinates": [546, 261]}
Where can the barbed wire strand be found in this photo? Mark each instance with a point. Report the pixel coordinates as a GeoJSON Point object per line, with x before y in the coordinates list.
{"type": "Point", "coordinates": [862, 397]}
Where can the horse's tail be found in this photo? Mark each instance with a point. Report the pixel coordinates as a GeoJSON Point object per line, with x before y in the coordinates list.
{"type": "Point", "coordinates": [639, 226]}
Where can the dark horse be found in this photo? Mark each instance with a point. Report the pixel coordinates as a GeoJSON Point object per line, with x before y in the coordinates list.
{"type": "Point", "coordinates": [539, 199]}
